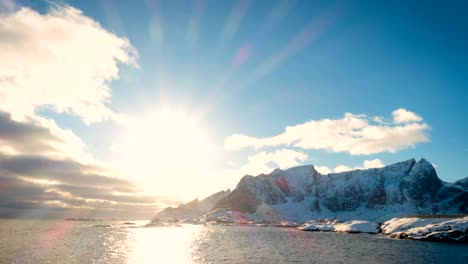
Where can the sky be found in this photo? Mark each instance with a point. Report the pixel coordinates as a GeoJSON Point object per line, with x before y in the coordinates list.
{"type": "Point", "coordinates": [120, 108]}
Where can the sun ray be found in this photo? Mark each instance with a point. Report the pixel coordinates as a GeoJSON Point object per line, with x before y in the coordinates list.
{"type": "Point", "coordinates": [193, 29]}
{"type": "Point", "coordinates": [113, 17]}
{"type": "Point", "coordinates": [316, 27]}
{"type": "Point", "coordinates": [235, 18]}
{"type": "Point", "coordinates": [155, 27]}
{"type": "Point", "coordinates": [278, 12]}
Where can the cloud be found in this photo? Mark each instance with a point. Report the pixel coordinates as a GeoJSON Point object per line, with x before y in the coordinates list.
{"type": "Point", "coordinates": [23, 198]}
{"type": "Point", "coordinates": [323, 169]}
{"type": "Point", "coordinates": [39, 172]}
{"type": "Point", "coordinates": [283, 158]}
{"type": "Point", "coordinates": [355, 134]}
{"type": "Point", "coordinates": [401, 116]}
{"type": "Point", "coordinates": [375, 163]}
{"type": "Point", "coordinates": [368, 164]}
{"type": "Point", "coordinates": [31, 193]}
{"type": "Point", "coordinates": [62, 60]}
{"type": "Point", "coordinates": [341, 168]}
{"type": "Point", "coordinates": [64, 171]}
{"type": "Point", "coordinates": [264, 162]}
{"type": "Point", "coordinates": [40, 136]}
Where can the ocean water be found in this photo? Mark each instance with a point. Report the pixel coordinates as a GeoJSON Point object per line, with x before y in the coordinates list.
{"type": "Point", "coordinates": [26, 241]}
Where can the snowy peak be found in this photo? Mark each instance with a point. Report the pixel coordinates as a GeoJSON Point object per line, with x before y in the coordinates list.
{"type": "Point", "coordinates": [463, 184]}
{"type": "Point", "coordinates": [421, 185]}
{"type": "Point", "coordinates": [297, 171]}
{"type": "Point", "coordinates": [301, 193]}
{"type": "Point", "coordinates": [401, 168]}
{"type": "Point", "coordinates": [423, 168]}
{"type": "Point", "coordinates": [277, 187]}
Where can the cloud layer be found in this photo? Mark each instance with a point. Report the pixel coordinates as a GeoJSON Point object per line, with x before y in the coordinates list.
{"type": "Point", "coordinates": [355, 134]}
{"type": "Point", "coordinates": [62, 60]}
{"type": "Point", "coordinates": [38, 172]}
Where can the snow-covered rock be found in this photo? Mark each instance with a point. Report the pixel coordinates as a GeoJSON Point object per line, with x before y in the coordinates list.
{"type": "Point", "coordinates": [278, 187]}
{"type": "Point", "coordinates": [358, 226]}
{"type": "Point", "coordinates": [435, 229]}
{"type": "Point", "coordinates": [355, 226]}
{"type": "Point", "coordinates": [224, 215]}
{"type": "Point", "coordinates": [316, 226]}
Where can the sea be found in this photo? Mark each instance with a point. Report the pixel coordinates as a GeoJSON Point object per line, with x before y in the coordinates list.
{"type": "Point", "coordinates": [46, 241]}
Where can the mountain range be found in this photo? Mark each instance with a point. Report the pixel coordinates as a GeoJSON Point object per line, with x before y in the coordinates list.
{"type": "Point", "coordinates": [302, 193]}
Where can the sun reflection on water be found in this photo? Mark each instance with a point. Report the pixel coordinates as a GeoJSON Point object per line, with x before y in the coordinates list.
{"type": "Point", "coordinates": [163, 244]}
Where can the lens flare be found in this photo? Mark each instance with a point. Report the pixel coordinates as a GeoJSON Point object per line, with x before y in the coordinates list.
{"type": "Point", "coordinates": [279, 11]}
{"type": "Point", "coordinates": [234, 20]}
{"type": "Point", "coordinates": [112, 16]}
{"type": "Point", "coordinates": [305, 37]}
{"type": "Point", "coordinates": [155, 28]}
{"type": "Point", "coordinates": [194, 27]}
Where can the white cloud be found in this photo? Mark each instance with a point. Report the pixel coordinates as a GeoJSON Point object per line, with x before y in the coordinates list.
{"type": "Point", "coordinates": [355, 134]}
{"type": "Point", "coordinates": [262, 163]}
{"type": "Point", "coordinates": [283, 158]}
{"type": "Point", "coordinates": [341, 168]}
{"type": "Point", "coordinates": [63, 60]}
{"type": "Point", "coordinates": [402, 115]}
{"type": "Point", "coordinates": [323, 169]}
{"type": "Point", "coordinates": [368, 164]}
{"type": "Point", "coordinates": [375, 163]}
{"type": "Point", "coordinates": [378, 119]}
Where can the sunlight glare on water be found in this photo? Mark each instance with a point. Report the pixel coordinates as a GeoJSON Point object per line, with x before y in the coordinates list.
{"type": "Point", "coordinates": [163, 244]}
{"type": "Point", "coordinates": [32, 242]}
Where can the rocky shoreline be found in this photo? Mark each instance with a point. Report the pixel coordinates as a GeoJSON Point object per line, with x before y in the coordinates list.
{"type": "Point", "coordinates": [450, 230]}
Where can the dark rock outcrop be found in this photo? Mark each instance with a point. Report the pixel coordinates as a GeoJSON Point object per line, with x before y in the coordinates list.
{"type": "Point", "coordinates": [242, 199]}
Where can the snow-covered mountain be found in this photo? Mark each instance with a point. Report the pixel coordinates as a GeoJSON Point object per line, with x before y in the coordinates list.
{"type": "Point", "coordinates": [302, 193]}
{"type": "Point", "coordinates": [192, 209]}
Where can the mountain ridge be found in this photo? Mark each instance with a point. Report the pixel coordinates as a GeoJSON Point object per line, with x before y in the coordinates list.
{"type": "Point", "coordinates": [302, 193]}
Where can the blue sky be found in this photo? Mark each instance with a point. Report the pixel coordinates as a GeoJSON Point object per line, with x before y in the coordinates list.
{"type": "Point", "coordinates": [254, 68]}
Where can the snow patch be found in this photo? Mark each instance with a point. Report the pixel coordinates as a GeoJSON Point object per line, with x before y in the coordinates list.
{"type": "Point", "coordinates": [355, 226]}
{"type": "Point", "coordinates": [435, 229]}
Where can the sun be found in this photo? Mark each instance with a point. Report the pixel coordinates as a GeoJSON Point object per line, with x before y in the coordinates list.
{"type": "Point", "coordinates": [168, 151]}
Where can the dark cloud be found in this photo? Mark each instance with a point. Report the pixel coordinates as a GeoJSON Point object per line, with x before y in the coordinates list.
{"type": "Point", "coordinates": [27, 137]}
{"type": "Point", "coordinates": [65, 171]}
{"type": "Point", "coordinates": [35, 185]}
{"type": "Point", "coordinates": [19, 197]}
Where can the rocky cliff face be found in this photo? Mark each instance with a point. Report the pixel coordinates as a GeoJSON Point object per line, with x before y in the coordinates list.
{"type": "Point", "coordinates": [410, 183]}
{"type": "Point", "coordinates": [275, 188]}
{"type": "Point", "coordinates": [301, 193]}
{"type": "Point", "coordinates": [452, 198]}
